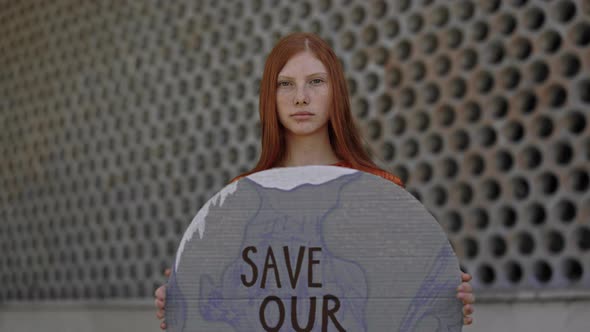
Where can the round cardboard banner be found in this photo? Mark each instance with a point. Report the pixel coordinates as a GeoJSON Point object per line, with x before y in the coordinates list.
{"type": "Point", "coordinates": [314, 248]}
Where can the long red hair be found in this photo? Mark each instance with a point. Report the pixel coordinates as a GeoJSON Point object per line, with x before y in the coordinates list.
{"type": "Point", "coordinates": [343, 133]}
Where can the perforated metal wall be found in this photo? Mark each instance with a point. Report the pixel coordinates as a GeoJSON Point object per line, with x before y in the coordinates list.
{"type": "Point", "coordinates": [121, 118]}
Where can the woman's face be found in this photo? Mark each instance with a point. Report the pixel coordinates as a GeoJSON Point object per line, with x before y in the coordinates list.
{"type": "Point", "coordinates": [304, 95]}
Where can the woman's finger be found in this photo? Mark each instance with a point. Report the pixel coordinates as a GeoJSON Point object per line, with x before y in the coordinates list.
{"type": "Point", "coordinates": [161, 293]}
{"type": "Point", "coordinates": [163, 325]}
{"type": "Point", "coordinates": [467, 310]}
{"type": "Point", "coordinates": [465, 277]}
{"type": "Point", "coordinates": [465, 287]}
{"type": "Point", "coordinates": [160, 314]}
{"type": "Point", "coordinates": [466, 298]}
{"type": "Point", "coordinates": [467, 320]}
{"type": "Point", "coordinates": [160, 304]}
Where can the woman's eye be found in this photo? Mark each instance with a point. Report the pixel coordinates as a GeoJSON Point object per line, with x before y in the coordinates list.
{"type": "Point", "coordinates": [316, 81]}
{"type": "Point", "coordinates": [284, 84]}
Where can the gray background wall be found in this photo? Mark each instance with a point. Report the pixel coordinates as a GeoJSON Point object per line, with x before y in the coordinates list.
{"type": "Point", "coordinates": [119, 119]}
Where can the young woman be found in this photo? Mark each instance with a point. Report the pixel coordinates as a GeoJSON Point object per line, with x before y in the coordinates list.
{"type": "Point", "coordinates": [306, 120]}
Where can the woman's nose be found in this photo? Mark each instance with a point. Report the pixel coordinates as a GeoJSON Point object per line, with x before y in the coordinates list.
{"type": "Point", "coordinates": [301, 97]}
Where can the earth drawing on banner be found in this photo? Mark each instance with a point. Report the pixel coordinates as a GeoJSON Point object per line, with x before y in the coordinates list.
{"type": "Point", "coordinates": [314, 248]}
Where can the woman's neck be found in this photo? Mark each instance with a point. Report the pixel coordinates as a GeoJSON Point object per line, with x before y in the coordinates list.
{"type": "Point", "coordinates": [309, 150]}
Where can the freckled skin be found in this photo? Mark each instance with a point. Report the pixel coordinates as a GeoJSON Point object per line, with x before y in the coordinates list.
{"type": "Point", "coordinates": [303, 86]}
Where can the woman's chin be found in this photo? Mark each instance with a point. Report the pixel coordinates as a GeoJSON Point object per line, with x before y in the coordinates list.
{"type": "Point", "coordinates": [302, 130]}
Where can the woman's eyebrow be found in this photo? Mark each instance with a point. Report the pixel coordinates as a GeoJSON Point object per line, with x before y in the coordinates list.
{"type": "Point", "coordinates": [310, 75]}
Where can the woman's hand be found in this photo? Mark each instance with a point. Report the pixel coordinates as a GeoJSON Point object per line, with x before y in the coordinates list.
{"type": "Point", "coordinates": [465, 294]}
{"type": "Point", "coordinates": [160, 301]}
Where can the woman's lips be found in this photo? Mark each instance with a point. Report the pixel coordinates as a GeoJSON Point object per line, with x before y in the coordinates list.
{"type": "Point", "coordinates": [302, 115]}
